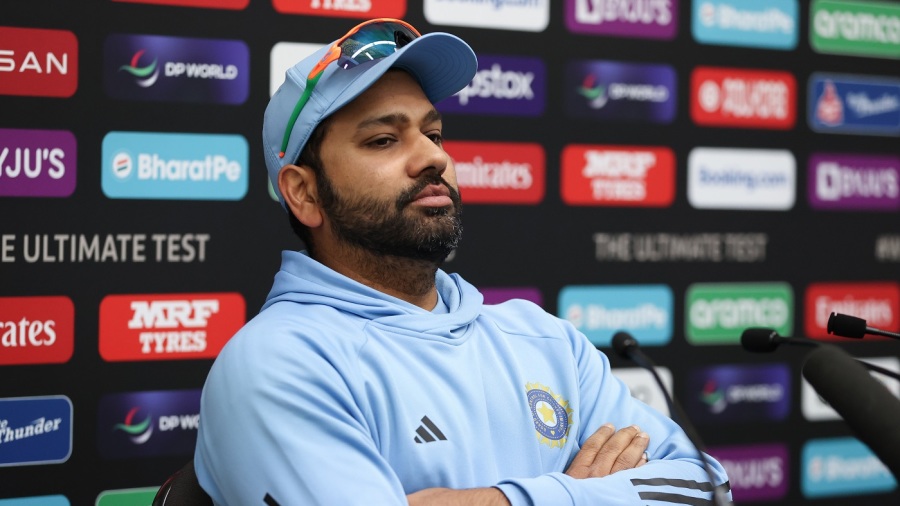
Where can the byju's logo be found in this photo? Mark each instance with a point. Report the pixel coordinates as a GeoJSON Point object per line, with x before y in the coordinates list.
{"type": "Point", "coordinates": [620, 91]}
{"type": "Point", "coordinates": [503, 85]}
{"type": "Point", "coordinates": [769, 24]}
{"type": "Point", "coordinates": [842, 467]}
{"type": "Point", "coordinates": [854, 104]}
{"type": "Point", "coordinates": [717, 313]}
{"type": "Point", "coordinates": [499, 172]}
{"type": "Point", "coordinates": [168, 327]}
{"type": "Point", "coordinates": [38, 63]}
{"type": "Point", "coordinates": [35, 430]}
{"type": "Point", "coordinates": [856, 28]}
{"type": "Point", "coordinates": [176, 69]}
{"type": "Point", "coordinates": [139, 165]}
{"type": "Point", "coordinates": [343, 8]}
{"type": "Point", "coordinates": [522, 15]}
{"type": "Point", "coordinates": [36, 330]}
{"type": "Point", "coordinates": [756, 472]}
{"type": "Point", "coordinates": [618, 175]}
{"type": "Point", "coordinates": [860, 182]}
{"type": "Point", "coordinates": [146, 424]}
{"type": "Point", "coordinates": [877, 303]}
{"type": "Point", "coordinates": [743, 98]}
{"type": "Point", "coordinates": [652, 19]}
{"type": "Point", "coordinates": [757, 179]}
{"type": "Point", "coordinates": [37, 163]}
{"type": "Point", "coordinates": [745, 393]}
{"type": "Point", "coordinates": [600, 311]}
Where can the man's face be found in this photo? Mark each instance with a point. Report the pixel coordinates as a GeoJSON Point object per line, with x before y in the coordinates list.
{"type": "Point", "coordinates": [386, 184]}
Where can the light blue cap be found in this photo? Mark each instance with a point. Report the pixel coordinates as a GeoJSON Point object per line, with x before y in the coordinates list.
{"type": "Point", "coordinates": [442, 63]}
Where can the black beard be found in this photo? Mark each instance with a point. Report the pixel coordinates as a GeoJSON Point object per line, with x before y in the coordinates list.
{"type": "Point", "coordinates": [389, 228]}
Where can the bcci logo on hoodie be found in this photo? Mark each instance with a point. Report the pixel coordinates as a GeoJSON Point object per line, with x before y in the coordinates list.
{"type": "Point", "coordinates": [550, 413]}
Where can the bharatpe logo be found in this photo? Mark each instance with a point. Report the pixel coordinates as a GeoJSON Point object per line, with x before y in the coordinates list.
{"type": "Point", "coordinates": [643, 386]}
{"type": "Point", "coordinates": [768, 24]}
{"type": "Point", "coordinates": [758, 472]}
{"type": "Point", "coordinates": [858, 182]}
{"type": "Point", "coordinates": [44, 500]}
{"type": "Point", "coordinates": [641, 176]}
{"type": "Point", "coordinates": [743, 98]}
{"type": "Point", "coordinates": [855, 28]}
{"type": "Point", "coordinates": [170, 166]}
{"type": "Point", "coordinates": [739, 393]}
{"type": "Point", "coordinates": [751, 179]}
{"type": "Point", "coordinates": [717, 313]}
{"type": "Point", "coordinates": [599, 311]}
{"type": "Point", "coordinates": [816, 409]}
{"type": "Point", "coordinates": [148, 424]}
{"type": "Point", "coordinates": [168, 327]}
{"type": "Point", "coordinates": [652, 19]}
{"type": "Point", "coordinates": [503, 86]}
{"type": "Point", "coordinates": [37, 163]}
{"type": "Point", "coordinates": [35, 430]}
{"type": "Point", "coordinates": [854, 104]}
{"type": "Point", "coordinates": [842, 467]}
{"type": "Point", "coordinates": [499, 172]}
{"type": "Point", "coordinates": [876, 302]}
{"type": "Point", "coordinates": [36, 330]}
{"type": "Point", "coordinates": [343, 8]}
{"type": "Point", "coordinates": [520, 15]}
{"type": "Point", "coordinates": [176, 69]}
{"type": "Point", "coordinates": [609, 90]}
{"type": "Point", "coordinates": [38, 63]}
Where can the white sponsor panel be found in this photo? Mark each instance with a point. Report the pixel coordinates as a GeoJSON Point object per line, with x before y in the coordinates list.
{"type": "Point", "coordinates": [285, 55]}
{"type": "Point", "coordinates": [644, 388]}
{"type": "Point", "coordinates": [815, 409]}
{"type": "Point", "coordinates": [753, 179]}
{"type": "Point", "coordinates": [520, 15]}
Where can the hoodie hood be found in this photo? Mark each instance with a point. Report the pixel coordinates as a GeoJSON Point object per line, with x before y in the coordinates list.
{"type": "Point", "coordinates": [305, 281]}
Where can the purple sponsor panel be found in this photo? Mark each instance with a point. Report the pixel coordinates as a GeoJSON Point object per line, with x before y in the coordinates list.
{"type": "Point", "coordinates": [148, 424]}
{"type": "Point", "coordinates": [758, 472]}
{"type": "Point", "coordinates": [503, 86]}
{"type": "Point", "coordinates": [498, 295]}
{"type": "Point", "coordinates": [619, 91]}
{"type": "Point", "coordinates": [37, 163]}
{"type": "Point", "coordinates": [854, 182]}
{"type": "Point", "coordinates": [176, 69]}
{"type": "Point", "coordinates": [736, 393]}
{"type": "Point", "coordinates": [651, 19]}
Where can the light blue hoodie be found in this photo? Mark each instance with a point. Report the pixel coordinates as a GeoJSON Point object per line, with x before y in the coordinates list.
{"type": "Point", "coordinates": [339, 394]}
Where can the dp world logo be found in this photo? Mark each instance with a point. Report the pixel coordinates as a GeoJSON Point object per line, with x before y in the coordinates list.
{"type": "Point", "coordinates": [145, 76]}
{"type": "Point", "coordinates": [139, 432]}
{"type": "Point", "coordinates": [148, 424]}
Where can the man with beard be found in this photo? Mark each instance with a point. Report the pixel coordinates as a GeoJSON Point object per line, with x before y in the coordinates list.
{"type": "Point", "coordinates": [371, 376]}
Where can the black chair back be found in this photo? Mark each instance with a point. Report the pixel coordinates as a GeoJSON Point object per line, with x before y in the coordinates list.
{"type": "Point", "coordinates": [182, 489]}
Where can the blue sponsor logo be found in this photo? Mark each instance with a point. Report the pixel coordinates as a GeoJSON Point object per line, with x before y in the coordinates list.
{"type": "Point", "coordinates": [854, 104]}
{"type": "Point", "coordinates": [599, 312]}
{"type": "Point", "coordinates": [739, 393]}
{"type": "Point", "coordinates": [503, 86]}
{"type": "Point", "coordinates": [44, 500]}
{"type": "Point", "coordinates": [176, 69]}
{"type": "Point", "coordinates": [608, 90]}
{"type": "Point", "coordinates": [769, 24]}
{"type": "Point", "coordinates": [138, 165]}
{"type": "Point", "coordinates": [35, 430]}
{"type": "Point", "coordinates": [840, 467]}
{"type": "Point", "coordinates": [148, 424]}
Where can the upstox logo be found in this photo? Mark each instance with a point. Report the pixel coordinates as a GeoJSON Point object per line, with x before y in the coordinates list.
{"type": "Point", "coordinates": [751, 179]}
{"type": "Point", "coordinates": [140, 165]}
{"type": "Point", "coordinates": [168, 327]}
{"type": "Point", "coordinates": [520, 15]}
{"type": "Point", "coordinates": [851, 181]}
{"type": "Point", "coordinates": [842, 467]}
{"type": "Point", "coordinates": [35, 430]}
{"type": "Point", "coordinates": [769, 24]}
{"type": "Point", "coordinates": [503, 86]}
{"type": "Point", "coordinates": [600, 311]}
{"type": "Point", "coordinates": [743, 98]}
{"type": "Point", "coordinates": [857, 28]}
{"type": "Point", "coordinates": [148, 424]}
{"type": "Point", "coordinates": [36, 330]}
{"type": "Point", "coordinates": [343, 8]}
{"type": "Point", "coordinates": [37, 163]}
{"type": "Point", "coordinates": [38, 63]}
{"type": "Point", "coordinates": [652, 19]}
{"type": "Point", "coordinates": [717, 313]}
{"type": "Point", "coordinates": [499, 172]}
{"type": "Point", "coordinates": [876, 302]}
{"type": "Point", "coordinates": [854, 104]}
{"type": "Point", "coordinates": [595, 175]}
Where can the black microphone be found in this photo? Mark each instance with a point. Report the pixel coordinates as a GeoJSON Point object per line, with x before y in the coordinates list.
{"type": "Point", "coordinates": [850, 326]}
{"type": "Point", "coordinates": [867, 406]}
{"type": "Point", "coordinates": [627, 347]}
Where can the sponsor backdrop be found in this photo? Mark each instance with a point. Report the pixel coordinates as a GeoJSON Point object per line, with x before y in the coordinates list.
{"type": "Point", "coordinates": [681, 169]}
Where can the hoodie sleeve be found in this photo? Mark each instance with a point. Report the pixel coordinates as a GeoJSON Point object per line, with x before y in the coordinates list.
{"type": "Point", "coordinates": [675, 475]}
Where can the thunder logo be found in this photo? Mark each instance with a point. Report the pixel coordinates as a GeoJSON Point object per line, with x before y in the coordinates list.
{"type": "Point", "coordinates": [550, 413]}
{"type": "Point", "coordinates": [145, 76]}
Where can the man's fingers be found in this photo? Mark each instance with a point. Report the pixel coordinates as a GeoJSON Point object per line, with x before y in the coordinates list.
{"type": "Point", "coordinates": [609, 456]}
{"type": "Point", "coordinates": [584, 461]}
{"type": "Point", "coordinates": [633, 455]}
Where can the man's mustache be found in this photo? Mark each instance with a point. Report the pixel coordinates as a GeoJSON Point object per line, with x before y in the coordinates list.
{"type": "Point", "coordinates": [408, 196]}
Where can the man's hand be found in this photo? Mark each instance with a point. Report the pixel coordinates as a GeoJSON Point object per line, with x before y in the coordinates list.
{"type": "Point", "coordinates": [447, 497]}
{"type": "Point", "coordinates": [608, 451]}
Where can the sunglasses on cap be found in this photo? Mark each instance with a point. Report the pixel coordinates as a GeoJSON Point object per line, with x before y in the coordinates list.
{"type": "Point", "coordinates": [367, 41]}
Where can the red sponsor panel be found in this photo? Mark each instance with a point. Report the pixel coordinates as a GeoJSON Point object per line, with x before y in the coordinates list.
{"type": "Point", "coordinates": [168, 327]}
{"type": "Point", "coordinates": [207, 4]}
{"type": "Point", "coordinates": [37, 62]}
{"type": "Point", "coordinates": [36, 330]}
{"type": "Point", "coordinates": [499, 172]}
{"type": "Point", "coordinates": [343, 8]}
{"type": "Point", "coordinates": [743, 98]}
{"type": "Point", "coordinates": [876, 302]}
{"type": "Point", "coordinates": [598, 175]}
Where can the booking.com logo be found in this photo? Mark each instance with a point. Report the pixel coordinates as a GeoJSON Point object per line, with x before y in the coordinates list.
{"type": "Point", "coordinates": [144, 76]}
{"type": "Point", "coordinates": [139, 432]}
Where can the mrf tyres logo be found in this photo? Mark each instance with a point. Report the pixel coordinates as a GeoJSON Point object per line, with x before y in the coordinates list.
{"type": "Point", "coordinates": [857, 182]}
{"type": "Point", "coordinates": [876, 302]}
{"type": "Point", "coordinates": [146, 424]}
{"type": "Point", "coordinates": [642, 176]}
{"type": "Point", "coordinates": [499, 172]}
{"type": "Point", "coordinates": [870, 28]}
{"type": "Point", "coordinates": [652, 19]}
{"type": "Point", "coordinates": [739, 393]}
{"type": "Point", "coordinates": [168, 327]}
{"type": "Point", "coordinates": [743, 98]}
{"type": "Point", "coordinates": [717, 313]}
{"type": "Point", "coordinates": [503, 86]}
{"type": "Point", "coordinates": [38, 63]}
{"type": "Point", "coordinates": [35, 430]}
{"type": "Point", "coordinates": [853, 104]}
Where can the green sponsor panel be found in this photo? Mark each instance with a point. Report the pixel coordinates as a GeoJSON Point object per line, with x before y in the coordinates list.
{"type": "Point", "coordinates": [858, 28]}
{"type": "Point", "coordinates": [717, 313]}
{"type": "Point", "coordinates": [127, 497]}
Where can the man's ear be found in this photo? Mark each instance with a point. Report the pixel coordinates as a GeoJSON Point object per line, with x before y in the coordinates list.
{"type": "Point", "coordinates": [297, 184]}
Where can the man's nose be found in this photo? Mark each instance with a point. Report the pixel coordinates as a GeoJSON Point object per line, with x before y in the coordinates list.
{"type": "Point", "coordinates": [428, 156]}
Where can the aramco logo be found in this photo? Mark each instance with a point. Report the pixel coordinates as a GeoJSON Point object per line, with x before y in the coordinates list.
{"type": "Point", "coordinates": [139, 432]}
{"type": "Point", "coordinates": [144, 76]}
